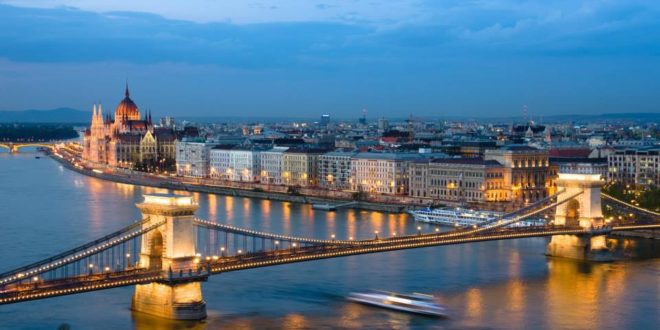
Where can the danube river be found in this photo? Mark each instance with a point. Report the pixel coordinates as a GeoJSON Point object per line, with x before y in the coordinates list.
{"type": "Point", "coordinates": [45, 209]}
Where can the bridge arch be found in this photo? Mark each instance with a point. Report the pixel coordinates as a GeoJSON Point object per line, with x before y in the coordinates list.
{"type": "Point", "coordinates": [155, 252]}
{"type": "Point", "coordinates": [573, 212]}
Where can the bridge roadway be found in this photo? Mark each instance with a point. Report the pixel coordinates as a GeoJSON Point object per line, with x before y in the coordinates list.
{"type": "Point", "coordinates": [19, 292]}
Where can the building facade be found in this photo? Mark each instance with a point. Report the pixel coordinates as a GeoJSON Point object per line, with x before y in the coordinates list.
{"type": "Point", "coordinates": [382, 173]}
{"type": "Point", "coordinates": [272, 164]}
{"type": "Point", "coordinates": [235, 164]}
{"type": "Point", "coordinates": [635, 165]}
{"type": "Point", "coordinates": [193, 158]}
{"type": "Point", "coordinates": [334, 170]}
{"type": "Point", "coordinates": [527, 171]}
{"type": "Point", "coordinates": [459, 180]}
{"type": "Point", "coordinates": [299, 167]}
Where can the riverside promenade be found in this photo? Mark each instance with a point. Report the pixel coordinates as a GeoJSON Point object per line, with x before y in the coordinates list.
{"type": "Point", "coordinates": [202, 186]}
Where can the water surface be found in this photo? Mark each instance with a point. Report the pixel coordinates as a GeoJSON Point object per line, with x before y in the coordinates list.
{"type": "Point", "coordinates": [45, 209]}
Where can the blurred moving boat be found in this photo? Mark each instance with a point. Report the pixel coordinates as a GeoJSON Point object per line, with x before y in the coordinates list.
{"type": "Point", "coordinates": [412, 303]}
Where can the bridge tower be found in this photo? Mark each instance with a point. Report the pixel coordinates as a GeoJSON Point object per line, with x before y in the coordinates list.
{"type": "Point", "coordinates": [583, 210]}
{"type": "Point", "coordinates": [169, 248]}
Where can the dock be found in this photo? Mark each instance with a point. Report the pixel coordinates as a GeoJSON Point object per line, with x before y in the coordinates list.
{"type": "Point", "coordinates": [332, 207]}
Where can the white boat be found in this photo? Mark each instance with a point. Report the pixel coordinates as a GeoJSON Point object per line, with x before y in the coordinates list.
{"type": "Point", "coordinates": [462, 217]}
{"type": "Point", "coordinates": [412, 303]}
{"type": "Point", "coordinates": [454, 216]}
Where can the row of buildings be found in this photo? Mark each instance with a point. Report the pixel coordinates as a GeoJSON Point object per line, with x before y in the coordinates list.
{"type": "Point", "coordinates": [512, 173]}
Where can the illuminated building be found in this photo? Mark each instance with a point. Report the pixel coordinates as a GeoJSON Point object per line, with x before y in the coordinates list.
{"type": "Point", "coordinates": [526, 171]}
{"type": "Point", "coordinates": [637, 166]}
{"type": "Point", "coordinates": [272, 164]}
{"type": "Point", "coordinates": [127, 140]}
{"type": "Point", "coordinates": [382, 173]}
{"type": "Point", "coordinates": [334, 170]}
{"type": "Point", "coordinates": [459, 179]}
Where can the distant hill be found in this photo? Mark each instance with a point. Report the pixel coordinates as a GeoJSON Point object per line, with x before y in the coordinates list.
{"type": "Point", "coordinates": [73, 116]}
{"type": "Point", "coordinates": [639, 117]}
{"type": "Point", "coordinates": [59, 115]}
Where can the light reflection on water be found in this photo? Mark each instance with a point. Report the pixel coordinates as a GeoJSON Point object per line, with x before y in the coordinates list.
{"type": "Point", "coordinates": [506, 284]}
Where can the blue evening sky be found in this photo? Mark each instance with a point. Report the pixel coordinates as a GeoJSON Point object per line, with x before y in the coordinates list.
{"type": "Point", "coordinates": [304, 58]}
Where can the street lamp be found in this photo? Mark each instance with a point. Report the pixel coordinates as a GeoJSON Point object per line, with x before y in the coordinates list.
{"type": "Point", "coordinates": [332, 236]}
{"type": "Point", "coordinates": [376, 233]}
{"type": "Point", "coordinates": [419, 230]}
{"type": "Point", "coordinates": [91, 268]}
{"type": "Point", "coordinates": [222, 251]}
{"type": "Point", "coordinates": [128, 260]}
{"type": "Point", "coordinates": [277, 245]}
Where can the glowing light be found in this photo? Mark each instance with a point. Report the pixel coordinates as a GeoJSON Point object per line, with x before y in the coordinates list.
{"type": "Point", "coordinates": [168, 199]}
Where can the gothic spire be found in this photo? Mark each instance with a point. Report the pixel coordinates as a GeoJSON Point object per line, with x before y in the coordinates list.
{"type": "Point", "coordinates": [126, 92]}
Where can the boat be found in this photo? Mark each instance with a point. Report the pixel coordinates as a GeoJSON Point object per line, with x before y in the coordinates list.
{"type": "Point", "coordinates": [462, 217]}
{"type": "Point", "coordinates": [416, 303]}
{"type": "Point", "coordinates": [324, 207]}
{"type": "Point", "coordinates": [454, 216]}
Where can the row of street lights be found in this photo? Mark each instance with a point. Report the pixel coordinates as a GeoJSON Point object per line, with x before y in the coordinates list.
{"type": "Point", "coordinates": [376, 232]}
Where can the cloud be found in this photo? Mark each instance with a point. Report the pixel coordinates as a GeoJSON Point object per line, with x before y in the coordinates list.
{"type": "Point", "coordinates": [246, 12]}
{"type": "Point", "coordinates": [431, 56]}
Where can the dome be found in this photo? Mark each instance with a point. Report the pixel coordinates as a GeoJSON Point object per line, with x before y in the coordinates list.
{"type": "Point", "coordinates": [127, 108]}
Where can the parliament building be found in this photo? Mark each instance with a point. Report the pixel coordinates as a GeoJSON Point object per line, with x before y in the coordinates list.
{"type": "Point", "coordinates": [128, 140]}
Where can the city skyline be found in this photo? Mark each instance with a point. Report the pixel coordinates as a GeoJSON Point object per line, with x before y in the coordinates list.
{"type": "Point", "coordinates": [304, 60]}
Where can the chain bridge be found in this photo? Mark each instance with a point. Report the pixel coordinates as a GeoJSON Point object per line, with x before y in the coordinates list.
{"type": "Point", "coordinates": [169, 253]}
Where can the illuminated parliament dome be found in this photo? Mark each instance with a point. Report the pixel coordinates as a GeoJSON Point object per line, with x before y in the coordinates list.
{"type": "Point", "coordinates": [127, 109]}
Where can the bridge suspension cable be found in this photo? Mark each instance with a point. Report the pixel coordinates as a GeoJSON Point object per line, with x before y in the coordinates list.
{"type": "Point", "coordinates": [524, 209]}
{"type": "Point", "coordinates": [519, 218]}
{"type": "Point", "coordinates": [83, 252]}
{"type": "Point", "coordinates": [635, 207]}
{"type": "Point", "coordinates": [260, 234]}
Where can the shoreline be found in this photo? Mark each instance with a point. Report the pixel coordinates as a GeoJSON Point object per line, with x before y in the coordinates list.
{"type": "Point", "coordinates": [229, 191]}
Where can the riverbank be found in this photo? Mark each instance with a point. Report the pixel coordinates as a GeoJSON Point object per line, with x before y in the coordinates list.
{"type": "Point", "coordinates": [156, 182]}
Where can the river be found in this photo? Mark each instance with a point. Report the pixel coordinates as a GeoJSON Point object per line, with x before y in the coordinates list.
{"type": "Point", "coordinates": [45, 209]}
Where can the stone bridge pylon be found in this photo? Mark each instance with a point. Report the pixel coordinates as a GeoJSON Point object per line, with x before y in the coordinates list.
{"type": "Point", "coordinates": [170, 248]}
{"type": "Point", "coordinates": [583, 210]}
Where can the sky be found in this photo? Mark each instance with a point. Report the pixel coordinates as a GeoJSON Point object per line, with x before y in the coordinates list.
{"type": "Point", "coordinates": [301, 59]}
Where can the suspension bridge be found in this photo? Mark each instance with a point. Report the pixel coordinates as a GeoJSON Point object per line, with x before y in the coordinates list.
{"type": "Point", "coordinates": [169, 252]}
